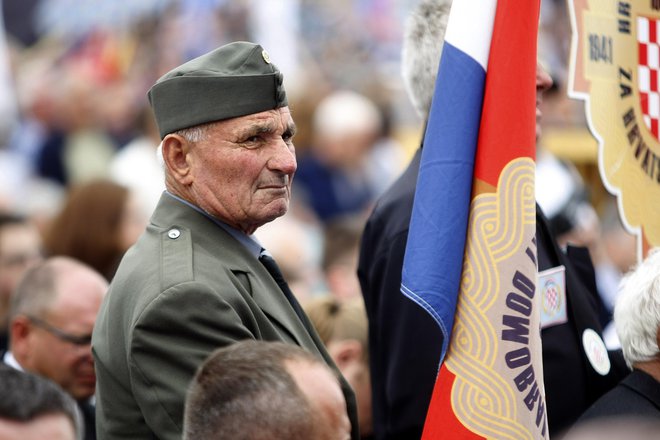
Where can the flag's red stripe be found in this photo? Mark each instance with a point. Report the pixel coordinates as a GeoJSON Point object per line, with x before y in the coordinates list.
{"type": "Point", "coordinates": [441, 422]}
{"type": "Point", "coordinates": [508, 124]}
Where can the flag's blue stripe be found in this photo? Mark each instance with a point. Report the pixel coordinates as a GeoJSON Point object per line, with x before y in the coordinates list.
{"type": "Point", "coordinates": [436, 241]}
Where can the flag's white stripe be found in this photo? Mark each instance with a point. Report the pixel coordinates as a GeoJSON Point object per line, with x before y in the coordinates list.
{"type": "Point", "coordinates": [470, 28]}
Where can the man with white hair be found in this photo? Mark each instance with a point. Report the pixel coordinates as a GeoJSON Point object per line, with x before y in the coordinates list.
{"type": "Point", "coordinates": [197, 279]}
{"type": "Point", "coordinates": [637, 322]}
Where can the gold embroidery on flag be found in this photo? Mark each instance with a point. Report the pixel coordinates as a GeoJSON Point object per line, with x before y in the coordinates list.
{"type": "Point", "coordinates": [485, 396]}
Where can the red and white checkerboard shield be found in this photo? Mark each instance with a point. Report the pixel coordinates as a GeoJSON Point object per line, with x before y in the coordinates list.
{"type": "Point", "coordinates": [648, 37]}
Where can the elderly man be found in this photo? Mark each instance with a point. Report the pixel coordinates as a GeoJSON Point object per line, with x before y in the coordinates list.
{"type": "Point", "coordinates": [197, 280]}
{"type": "Point", "coordinates": [637, 322]}
{"type": "Point", "coordinates": [52, 315]}
{"type": "Point", "coordinates": [265, 390]}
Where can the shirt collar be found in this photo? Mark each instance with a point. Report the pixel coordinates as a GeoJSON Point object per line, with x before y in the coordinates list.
{"type": "Point", "coordinates": [249, 241]}
{"type": "Point", "coordinates": [10, 360]}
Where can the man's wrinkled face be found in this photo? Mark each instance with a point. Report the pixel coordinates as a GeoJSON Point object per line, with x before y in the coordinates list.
{"type": "Point", "coordinates": [243, 169]}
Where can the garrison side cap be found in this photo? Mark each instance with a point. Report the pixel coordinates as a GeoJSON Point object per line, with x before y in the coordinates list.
{"type": "Point", "coordinates": [234, 80]}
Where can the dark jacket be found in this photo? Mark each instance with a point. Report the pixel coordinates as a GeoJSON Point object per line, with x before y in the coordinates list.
{"type": "Point", "coordinates": [638, 395]}
{"type": "Point", "coordinates": [405, 341]}
{"type": "Point", "coordinates": [186, 288]}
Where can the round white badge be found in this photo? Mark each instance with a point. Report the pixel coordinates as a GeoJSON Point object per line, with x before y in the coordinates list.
{"type": "Point", "coordinates": [596, 351]}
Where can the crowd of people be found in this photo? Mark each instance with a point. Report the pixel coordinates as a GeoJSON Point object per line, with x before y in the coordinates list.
{"type": "Point", "coordinates": [151, 285]}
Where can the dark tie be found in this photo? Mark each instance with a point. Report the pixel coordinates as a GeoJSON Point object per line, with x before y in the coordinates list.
{"type": "Point", "coordinates": [272, 268]}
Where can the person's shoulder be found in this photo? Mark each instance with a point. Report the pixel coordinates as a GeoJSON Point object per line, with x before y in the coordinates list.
{"type": "Point", "coordinates": [638, 394]}
{"type": "Point", "coordinates": [392, 211]}
{"type": "Point", "coordinates": [645, 385]}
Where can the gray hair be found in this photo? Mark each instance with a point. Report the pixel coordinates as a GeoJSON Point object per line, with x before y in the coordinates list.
{"type": "Point", "coordinates": [37, 290]}
{"type": "Point", "coordinates": [637, 311]}
{"type": "Point", "coordinates": [194, 134]}
{"type": "Point", "coordinates": [424, 34]}
{"type": "Point", "coordinates": [197, 133]}
{"type": "Point", "coordinates": [245, 392]}
{"type": "Point", "coordinates": [35, 293]}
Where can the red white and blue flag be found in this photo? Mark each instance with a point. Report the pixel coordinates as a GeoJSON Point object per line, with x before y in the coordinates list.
{"type": "Point", "coordinates": [471, 255]}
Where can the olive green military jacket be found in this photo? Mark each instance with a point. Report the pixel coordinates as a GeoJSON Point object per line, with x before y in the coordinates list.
{"type": "Point", "coordinates": [184, 289]}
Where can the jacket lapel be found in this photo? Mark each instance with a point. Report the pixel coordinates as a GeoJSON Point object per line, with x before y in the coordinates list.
{"type": "Point", "coordinates": [270, 299]}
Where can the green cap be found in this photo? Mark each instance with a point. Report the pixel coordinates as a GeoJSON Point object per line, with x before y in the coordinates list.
{"type": "Point", "coordinates": [237, 79]}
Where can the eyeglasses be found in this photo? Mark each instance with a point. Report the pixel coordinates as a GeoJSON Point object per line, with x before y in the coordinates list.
{"type": "Point", "coordinates": [61, 334]}
{"type": "Point", "coordinates": [18, 260]}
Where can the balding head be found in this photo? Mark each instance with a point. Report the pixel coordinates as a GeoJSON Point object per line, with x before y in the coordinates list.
{"type": "Point", "coordinates": [52, 316]}
{"type": "Point", "coordinates": [265, 390]}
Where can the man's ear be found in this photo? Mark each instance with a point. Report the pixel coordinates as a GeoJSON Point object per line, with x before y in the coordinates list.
{"type": "Point", "coordinates": [20, 329]}
{"type": "Point", "coordinates": [177, 158]}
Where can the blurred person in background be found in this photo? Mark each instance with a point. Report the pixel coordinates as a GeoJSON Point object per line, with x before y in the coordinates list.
{"type": "Point", "coordinates": [342, 326]}
{"type": "Point", "coordinates": [52, 315]}
{"type": "Point", "coordinates": [137, 166]}
{"type": "Point", "coordinates": [296, 246]}
{"type": "Point", "coordinates": [616, 256]}
{"type": "Point", "coordinates": [40, 134]}
{"type": "Point", "coordinates": [34, 408]}
{"type": "Point", "coordinates": [76, 146]}
{"type": "Point", "coordinates": [20, 248]}
{"type": "Point", "coordinates": [256, 390]}
{"type": "Point", "coordinates": [341, 248]}
{"type": "Point", "coordinates": [77, 107]}
{"type": "Point", "coordinates": [637, 322]}
{"type": "Point", "coordinates": [563, 196]}
{"type": "Point", "coordinates": [345, 168]}
{"type": "Point", "coordinates": [98, 222]}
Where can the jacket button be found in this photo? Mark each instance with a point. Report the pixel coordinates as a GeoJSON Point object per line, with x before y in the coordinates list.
{"type": "Point", "coordinates": [173, 233]}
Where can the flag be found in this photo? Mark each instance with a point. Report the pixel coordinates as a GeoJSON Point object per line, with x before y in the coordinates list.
{"type": "Point", "coordinates": [471, 254]}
